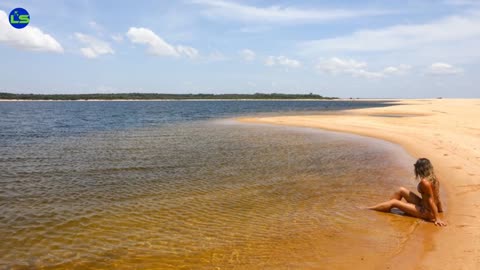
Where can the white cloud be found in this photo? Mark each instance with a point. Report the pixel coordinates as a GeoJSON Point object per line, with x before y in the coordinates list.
{"type": "Point", "coordinates": [117, 37]}
{"type": "Point", "coordinates": [94, 47]}
{"type": "Point", "coordinates": [158, 46]}
{"type": "Point", "coordinates": [282, 61]}
{"type": "Point", "coordinates": [367, 74]}
{"type": "Point", "coordinates": [355, 68]}
{"type": "Point", "coordinates": [277, 14]}
{"type": "Point", "coordinates": [443, 69]}
{"type": "Point", "coordinates": [400, 37]}
{"type": "Point", "coordinates": [29, 38]}
{"type": "Point", "coordinates": [188, 51]}
{"type": "Point", "coordinates": [398, 70]}
{"type": "Point", "coordinates": [336, 65]}
{"type": "Point", "coordinates": [247, 55]}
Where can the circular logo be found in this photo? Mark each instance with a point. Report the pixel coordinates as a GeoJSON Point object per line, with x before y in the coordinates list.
{"type": "Point", "coordinates": [19, 18]}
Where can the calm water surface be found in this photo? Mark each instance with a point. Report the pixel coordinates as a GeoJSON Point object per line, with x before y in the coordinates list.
{"type": "Point", "coordinates": [173, 185]}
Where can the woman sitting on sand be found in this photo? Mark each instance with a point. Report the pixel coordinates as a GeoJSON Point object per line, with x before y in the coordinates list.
{"type": "Point", "coordinates": [426, 207]}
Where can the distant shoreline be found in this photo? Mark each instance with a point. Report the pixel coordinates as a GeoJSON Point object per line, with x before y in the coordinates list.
{"type": "Point", "coordinates": [158, 97]}
{"type": "Point", "coordinates": [243, 99]}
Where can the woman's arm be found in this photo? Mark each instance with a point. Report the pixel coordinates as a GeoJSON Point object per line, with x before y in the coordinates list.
{"type": "Point", "coordinates": [439, 205]}
{"type": "Point", "coordinates": [431, 202]}
{"type": "Point", "coordinates": [437, 194]}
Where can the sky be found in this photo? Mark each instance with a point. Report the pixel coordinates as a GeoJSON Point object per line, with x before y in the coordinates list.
{"type": "Point", "coordinates": [359, 49]}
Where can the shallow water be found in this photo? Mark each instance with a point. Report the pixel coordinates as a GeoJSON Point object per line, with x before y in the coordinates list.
{"type": "Point", "coordinates": [200, 195]}
{"type": "Point", "coordinates": [33, 122]}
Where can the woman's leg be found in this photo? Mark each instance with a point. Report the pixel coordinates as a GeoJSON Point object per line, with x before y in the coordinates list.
{"type": "Point", "coordinates": [383, 207]}
{"type": "Point", "coordinates": [408, 195]}
{"type": "Point", "coordinates": [408, 208]}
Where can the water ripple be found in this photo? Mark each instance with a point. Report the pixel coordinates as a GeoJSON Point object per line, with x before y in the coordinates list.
{"type": "Point", "coordinates": [195, 196]}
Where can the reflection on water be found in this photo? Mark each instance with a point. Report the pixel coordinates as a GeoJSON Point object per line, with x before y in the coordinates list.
{"type": "Point", "coordinates": [200, 195]}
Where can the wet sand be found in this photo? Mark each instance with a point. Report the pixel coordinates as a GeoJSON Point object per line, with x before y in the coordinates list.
{"type": "Point", "coordinates": [447, 131]}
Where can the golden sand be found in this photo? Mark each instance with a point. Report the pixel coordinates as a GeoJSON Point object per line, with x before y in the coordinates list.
{"type": "Point", "coordinates": [447, 131]}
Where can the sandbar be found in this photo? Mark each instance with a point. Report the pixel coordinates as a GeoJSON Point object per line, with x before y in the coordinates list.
{"type": "Point", "coordinates": [447, 131]}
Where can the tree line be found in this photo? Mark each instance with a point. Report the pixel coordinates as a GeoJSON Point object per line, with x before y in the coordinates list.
{"type": "Point", "coordinates": [150, 96]}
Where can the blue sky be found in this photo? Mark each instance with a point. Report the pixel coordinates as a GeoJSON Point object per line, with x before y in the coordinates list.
{"type": "Point", "coordinates": [383, 49]}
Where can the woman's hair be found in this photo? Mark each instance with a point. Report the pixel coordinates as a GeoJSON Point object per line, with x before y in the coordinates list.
{"type": "Point", "coordinates": [424, 169]}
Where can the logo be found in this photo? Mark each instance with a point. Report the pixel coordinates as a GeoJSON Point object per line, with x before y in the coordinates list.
{"type": "Point", "coordinates": [19, 18]}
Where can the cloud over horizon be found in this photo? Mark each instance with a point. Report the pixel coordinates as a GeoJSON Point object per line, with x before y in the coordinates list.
{"type": "Point", "coordinates": [282, 61]}
{"type": "Point", "coordinates": [235, 11]}
{"type": "Point", "coordinates": [247, 55]}
{"type": "Point", "coordinates": [336, 66]}
{"type": "Point", "coordinates": [439, 69]}
{"type": "Point", "coordinates": [95, 47]}
{"type": "Point", "coordinates": [401, 36]}
{"type": "Point", "coordinates": [29, 38]}
{"type": "Point", "coordinates": [158, 46]}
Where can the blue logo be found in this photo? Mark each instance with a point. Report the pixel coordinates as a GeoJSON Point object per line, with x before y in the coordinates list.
{"type": "Point", "coordinates": [19, 18]}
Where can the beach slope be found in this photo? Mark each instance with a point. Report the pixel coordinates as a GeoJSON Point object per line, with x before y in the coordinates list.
{"type": "Point", "coordinates": [447, 131]}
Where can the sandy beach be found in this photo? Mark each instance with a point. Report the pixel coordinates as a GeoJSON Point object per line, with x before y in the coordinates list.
{"type": "Point", "coordinates": [447, 131]}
